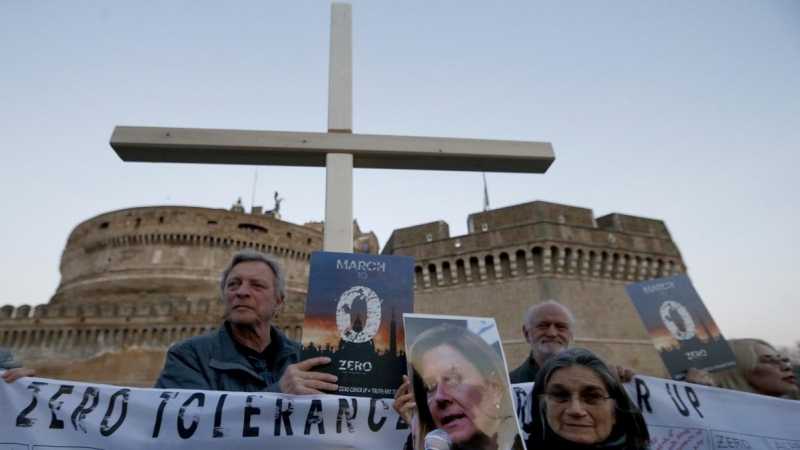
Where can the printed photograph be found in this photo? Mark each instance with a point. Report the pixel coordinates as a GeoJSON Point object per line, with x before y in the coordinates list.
{"type": "Point", "coordinates": [460, 384]}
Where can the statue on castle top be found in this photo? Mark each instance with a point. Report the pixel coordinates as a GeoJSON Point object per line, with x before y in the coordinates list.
{"type": "Point", "coordinates": [278, 201]}
{"type": "Point", "coordinates": [238, 207]}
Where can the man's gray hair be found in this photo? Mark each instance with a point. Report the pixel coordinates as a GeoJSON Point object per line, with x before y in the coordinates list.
{"type": "Point", "coordinates": [535, 309]}
{"type": "Point", "coordinates": [247, 255]}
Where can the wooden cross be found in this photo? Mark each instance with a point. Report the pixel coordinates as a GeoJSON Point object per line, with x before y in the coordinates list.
{"type": "Point", "coordinates": [339, 149]}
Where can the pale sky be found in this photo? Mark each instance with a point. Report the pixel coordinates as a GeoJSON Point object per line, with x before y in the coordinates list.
{"type": "Point", "coordinates": [684, 111]}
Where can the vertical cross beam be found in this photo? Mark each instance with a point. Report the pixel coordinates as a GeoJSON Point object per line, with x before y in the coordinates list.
{"type": "Point", "coordinates": [338, 235]}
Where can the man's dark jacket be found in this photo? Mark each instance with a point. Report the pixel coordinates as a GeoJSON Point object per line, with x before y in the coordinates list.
{"type": "Point", "coordinates": [211, 362]}
{"type": "Point", "coordinates": [526, 373]}
{"type": "Point", "coordinates": [6, 360]}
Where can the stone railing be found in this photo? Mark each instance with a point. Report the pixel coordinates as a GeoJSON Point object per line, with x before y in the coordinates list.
{"type": "Point", "coordinates": [86, 329]}
{"type": "Point", "coordinates": [578, 261]}
{"type": "Point", "coordinates": [128, 309]}
{"type": "Point", "coordinates": [194, 239]}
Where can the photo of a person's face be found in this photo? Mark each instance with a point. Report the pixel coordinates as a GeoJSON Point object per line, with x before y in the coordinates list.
{"type": "Point", "coordinates": [460, 383]}
{"type": "Point", "coordinates": [461, 401]}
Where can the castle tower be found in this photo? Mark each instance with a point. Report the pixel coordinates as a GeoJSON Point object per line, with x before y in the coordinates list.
{"type": "Point", "coordinates": [515, 257]}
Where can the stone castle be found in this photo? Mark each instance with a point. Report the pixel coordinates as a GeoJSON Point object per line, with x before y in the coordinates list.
{"type": "Point", "coordinates": [137, 280]}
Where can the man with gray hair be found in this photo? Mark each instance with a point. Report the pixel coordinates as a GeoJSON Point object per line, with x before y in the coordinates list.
{"type": "Point", "coordinates": [247, 353]}
{"type": "Point", "coordinates": [548, 330]}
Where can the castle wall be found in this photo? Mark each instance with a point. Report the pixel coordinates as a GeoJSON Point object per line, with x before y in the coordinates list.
{"type": "Point", "coordinates": [533, 212]}
{"type": "Point", "coordinates": [427, 232]}
{"type": "Point", "coordinates": [530, 253]}
{"type": "Point", "coordinates": [72, 341]}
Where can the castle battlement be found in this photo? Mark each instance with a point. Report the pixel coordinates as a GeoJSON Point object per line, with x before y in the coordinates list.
{"type": "Point", "coordinates": [186, 225]}
{"type": "Point", "coordinates": [176, 252]}
{"type": "Point", "coordinates": [534, 221]}
{"type": "Point", "coordinates": [253, 242]}
{"type": "Point", "coordinates": [84, 311]}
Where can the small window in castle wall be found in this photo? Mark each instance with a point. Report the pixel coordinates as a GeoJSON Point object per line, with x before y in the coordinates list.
{"type": "Point", "coordinates": [104, 225]}
{"type": "Point", "coordinates": [212, 222]}
{"type": "Point", "coordinates": [156, 257]}
{"type": "Point", "coordinates": [289, 235]}
{"type": "Point", "coordinates": [252, 227]}
{"type": "Point", "coordinates": [484, 227]}
{"type": "Point", "coordinates": [429, 238]}
{"type": "Point", "coordinates": [161, 219]}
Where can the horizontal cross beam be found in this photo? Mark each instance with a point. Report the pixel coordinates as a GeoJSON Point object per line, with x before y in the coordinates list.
{"type": "Point", "coordinates": [284, 148]}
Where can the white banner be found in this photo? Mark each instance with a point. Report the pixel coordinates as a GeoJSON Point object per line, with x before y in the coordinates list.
{"type": "Point", "coordinates": [42, 414]}
{"type": "Point", "coordinates": [692, 417]}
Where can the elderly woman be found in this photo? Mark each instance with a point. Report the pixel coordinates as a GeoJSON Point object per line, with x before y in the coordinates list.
{"type": "Point", "coordinates": [761, 370]}
{"type": "Point", "coordinates": [582, 405]}
{"type": "Point", "coordinates": [460, 387]}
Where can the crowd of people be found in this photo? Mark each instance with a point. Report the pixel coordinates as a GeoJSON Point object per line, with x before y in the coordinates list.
{"type": "Point", "coordinates": [578, 401]}
{"type": "Point", "coordinates": [459, 392]}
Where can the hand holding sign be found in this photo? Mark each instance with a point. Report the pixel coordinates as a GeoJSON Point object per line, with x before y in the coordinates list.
{"type": "Point", "coordinates": [16, 373]}
{"type": "Point", "coordinates": [298, 378]}
{"type": "Point", "coordinates": [701, 377]}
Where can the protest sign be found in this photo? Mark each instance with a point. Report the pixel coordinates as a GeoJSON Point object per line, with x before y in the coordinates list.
{"type": "Point", "coordinates": [43, 414]}
{"type": "Point", "coordinates": [459, 360]}
{"type": "Point", "coordinates": [680, 326]}
{"type": "Point", "coordinates": [353, 316]}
